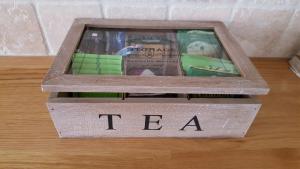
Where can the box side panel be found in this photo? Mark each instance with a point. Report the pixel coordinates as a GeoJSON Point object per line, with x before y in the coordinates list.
{"type": "Point", "coordinates": [152, 119]}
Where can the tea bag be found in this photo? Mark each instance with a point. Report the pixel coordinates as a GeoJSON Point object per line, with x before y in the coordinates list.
{"type": "Point", "coordinates": [194, 65]}
{"type": "Point", "coordinates": [93, 64]}
{"type": "Point", "coordinates": [151, 53]}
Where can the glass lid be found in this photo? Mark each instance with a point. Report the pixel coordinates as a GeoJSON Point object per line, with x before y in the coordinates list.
{"type": "Point", "coordinates": [142, 52]}
{"type": "Point", "coordinates": [134, 56]}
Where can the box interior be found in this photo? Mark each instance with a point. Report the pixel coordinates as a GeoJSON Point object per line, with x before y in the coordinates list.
{"type": "Point", "coordinates": [124, 96]}
{"type": "Point", "coordinates": [151, 52]}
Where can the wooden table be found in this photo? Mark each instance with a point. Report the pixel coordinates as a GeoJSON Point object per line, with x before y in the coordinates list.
{"type": "Point", "coordinates": [28, 138]}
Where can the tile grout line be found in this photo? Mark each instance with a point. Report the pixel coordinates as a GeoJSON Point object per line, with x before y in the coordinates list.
{"type": "Point", "coordinates": [234, 10]}
{"type": "Point", "coordinates": [101, 6]}
{"type": "Point", "coordinates": [41, 28]}
{"type": "Point", "coordinates": [167, 13]}
{"type": "Point", "coordinates": [169, 10]}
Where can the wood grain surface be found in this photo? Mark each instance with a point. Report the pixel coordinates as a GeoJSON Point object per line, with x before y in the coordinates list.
{"type": "Point", "coordinates": [28, 138]}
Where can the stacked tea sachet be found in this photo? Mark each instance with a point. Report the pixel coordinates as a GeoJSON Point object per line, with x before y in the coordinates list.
{"type": "Point", "coordinates": [93, 64]}
{"type": "Point", "coordinates": [97, 64]}
{"type": "Point", "coordinates": [194, 65]}
{"type": "Point", "coordinates": [202, 54]}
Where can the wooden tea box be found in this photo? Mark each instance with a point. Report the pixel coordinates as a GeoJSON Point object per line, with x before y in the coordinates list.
{"type": "Point", "coordinates": [130, 78]}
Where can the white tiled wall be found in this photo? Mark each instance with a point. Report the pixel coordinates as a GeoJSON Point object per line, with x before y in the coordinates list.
{"type": "Point", "coordinates": [264, 28]}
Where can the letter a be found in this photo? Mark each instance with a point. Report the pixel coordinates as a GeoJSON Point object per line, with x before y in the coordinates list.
{"type": "Point", "coordinates": [196, 123]}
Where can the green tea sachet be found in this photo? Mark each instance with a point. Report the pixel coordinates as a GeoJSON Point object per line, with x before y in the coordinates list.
{"type": "Point", "coordinates": [97, 64]}
{"type": "Point", "coordinates": [199, 42]}
{"type": "Point", "coordinates": [93, 64]}
{"type": "Point", "coordinates": [195, 65]}
{"type": "Point", "coordinates": [89, 94]}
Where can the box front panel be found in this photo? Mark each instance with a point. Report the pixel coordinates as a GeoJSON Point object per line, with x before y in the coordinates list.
{"type": "Point", "coordinates": [152, 119]}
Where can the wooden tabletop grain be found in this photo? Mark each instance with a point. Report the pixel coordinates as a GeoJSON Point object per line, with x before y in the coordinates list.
{"type": "Point", "coordinates": [28, 138]}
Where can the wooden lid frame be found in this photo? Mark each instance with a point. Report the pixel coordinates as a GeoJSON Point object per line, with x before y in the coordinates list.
{"type": "Point", "coordinates": [57, 80]}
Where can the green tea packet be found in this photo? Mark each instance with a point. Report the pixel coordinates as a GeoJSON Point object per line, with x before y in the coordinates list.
{"type": "Point", "coordinates": [199, 42]}
{"type": "Point", "coordinates": [89, 94]}
{"type": "Point", "coordinates": [195, 65]}
{"type": "Point", "coordinates": [93, 64]}
{"type": "Point", "coordinates": [97, 64]}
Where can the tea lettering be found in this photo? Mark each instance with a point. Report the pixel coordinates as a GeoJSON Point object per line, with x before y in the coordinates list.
{"type": "Point", "coordinates": [110, 120]}
{"type": "Point", "coordinates": [196, 123]}
{"type": "Point", "coordinates": [147, 122]}
{"type": "Point", "coordinates": [152, 122]}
